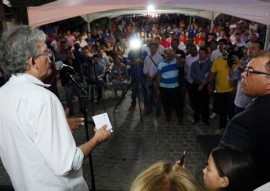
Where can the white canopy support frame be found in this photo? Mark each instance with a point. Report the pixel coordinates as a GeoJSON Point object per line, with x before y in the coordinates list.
{"type": "Point", "coordinates": [255, 10]}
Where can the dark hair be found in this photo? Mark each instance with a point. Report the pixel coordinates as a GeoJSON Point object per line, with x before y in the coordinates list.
{"type": "Point", "coordinates": [223, 40]}
{"type": "Point", "coordinates": [236, 165]}
{"type": "Point", "coordinates": [192, 46]}
{"type": "Point", "coordinates": [265, 54]}
{"type": "Point", "coordinates": [116, 57]}
{"type": "Point", "coordinates": [213, 41]}
{"type": "Point", "coordinates": [95, 56]}
{"type": "Point", "coordinates": [176, 40]}
{"type": "Point", "coordinates": [77, 46]}
{"type": "Point", "coordinates": [204, 49]}
{"type": "Point", "coordinates": [153, 44]}
{"type": "Point", "coordinates": [261, 45]}
{"type": "Point", "coordinates": [68, 49]}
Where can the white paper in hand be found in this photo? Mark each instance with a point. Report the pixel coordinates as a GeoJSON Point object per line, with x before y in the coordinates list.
{"type": "Point", "coordinates": [102, 119]}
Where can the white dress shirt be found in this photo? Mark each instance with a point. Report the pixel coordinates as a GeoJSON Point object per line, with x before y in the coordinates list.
{"type": "Point", "coordinates": [36, 145]}
{"type": "Point", "coordinates": [265, 187]}
{"type": "Point", "coordinates": [149, 67]}
{"type": "Point", "coordinates": [189, 60]}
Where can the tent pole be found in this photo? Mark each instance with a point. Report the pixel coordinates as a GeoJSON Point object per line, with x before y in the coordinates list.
{"type": "Point", "coordinates": [267, 37]}
{"type": "Point", "coordinates": [212, 19]}
{"type": "Point", "coordinates": [88, 23]}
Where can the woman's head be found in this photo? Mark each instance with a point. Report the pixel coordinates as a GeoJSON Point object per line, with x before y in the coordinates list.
{"type": "Point", "coordinates": [164, 176]}
{"type": "Point", "coordinates": [117, 60]}
{"type": "Point", "coordinates": [228, 169]}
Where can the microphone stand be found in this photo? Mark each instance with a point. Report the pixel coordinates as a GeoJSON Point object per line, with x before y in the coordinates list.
{"type": "Point", "coordinates": [84, 99]}
{"type": "Point", "coordinates": [137, 81]}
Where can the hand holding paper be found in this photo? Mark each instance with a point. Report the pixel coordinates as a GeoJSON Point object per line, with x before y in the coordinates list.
{"type": "Point", "coordinates": [102, 119]}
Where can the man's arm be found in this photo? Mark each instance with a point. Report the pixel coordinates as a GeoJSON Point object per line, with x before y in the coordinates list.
{"type": "Point", "coordinates": [101, 135]}
{"type": "Point", "coordinates": [209, 81]}
{"type": "Point", "coordinates": [101, 69]}
{"type": "Point", "coordinates": [158, 84]}
{"type": "Point", "coordinates": [74, 123]}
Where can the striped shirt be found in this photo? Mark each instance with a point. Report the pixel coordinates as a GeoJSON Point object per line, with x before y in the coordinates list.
{"type": "Point", "coordinates": [168, 73]}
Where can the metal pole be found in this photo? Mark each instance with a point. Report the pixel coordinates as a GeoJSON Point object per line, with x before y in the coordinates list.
{"type": "Point", "coordinates": [88, 23]}
{"type": "Point", "coordinates": [267, 37]}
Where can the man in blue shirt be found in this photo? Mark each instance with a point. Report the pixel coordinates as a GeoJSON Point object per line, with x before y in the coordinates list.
{"type": "Point", "coordinates": [199, 73]}
{"type": "Point", "coordinates": [167, 80]}
{"type": "Point", "coordinates": [136, 60]}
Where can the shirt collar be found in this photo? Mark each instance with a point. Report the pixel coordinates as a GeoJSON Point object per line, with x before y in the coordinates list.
{"type": "Point", "coordinates": [32, 79]}
{"type": "Point", "coordinates": [202, 61]}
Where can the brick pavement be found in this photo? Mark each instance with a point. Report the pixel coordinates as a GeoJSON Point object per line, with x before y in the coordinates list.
{"type": "Point", "coordinates": [135, 145]}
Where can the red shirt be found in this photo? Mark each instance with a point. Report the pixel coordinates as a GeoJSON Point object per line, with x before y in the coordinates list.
{"type": "Point", "coordinates": [166, 44]}
{"type": "Point", "coordinates": [197, 39]}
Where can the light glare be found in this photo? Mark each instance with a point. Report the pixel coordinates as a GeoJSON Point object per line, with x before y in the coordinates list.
{"type": "Point", "coordinates": [151, 8]}
{"type": "Point", "coordinates": [135, 43]}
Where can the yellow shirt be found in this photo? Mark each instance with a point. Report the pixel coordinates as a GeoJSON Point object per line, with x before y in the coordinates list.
{"type": "Point", "coordinates": [221, 69]}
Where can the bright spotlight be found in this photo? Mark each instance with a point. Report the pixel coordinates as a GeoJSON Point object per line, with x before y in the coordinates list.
{"type": "Point", "coordinates": [135, 43]}
{"type": "Point", "coordinates": [150, 8]}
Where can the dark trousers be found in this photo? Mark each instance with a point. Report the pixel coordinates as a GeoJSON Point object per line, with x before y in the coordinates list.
{"type": "Point", "coordinates": [71, 90]}
{"type": "Point", "coordinates": [170, 99]}
{"type": "Point", "coordinates": [215, 103]}
{"type": "Point", "coordinates": [201, 103]}
{"type": "Point", "coordinates": [225, 107]}
{"type": "Point", "coordinates": [190, 94]}
{"type": "Point", "coordinates": [136, 82]}
{"type": "Point", "coordinates": [181, 94]}
{"type": "Point", "coordinates": [99, 83]}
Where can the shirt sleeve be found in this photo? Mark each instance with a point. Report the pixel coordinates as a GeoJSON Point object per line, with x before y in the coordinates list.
{"type": "Point", "coordinates": [159, 70]}
{"type": "Point", "coordinates": [235, 74]}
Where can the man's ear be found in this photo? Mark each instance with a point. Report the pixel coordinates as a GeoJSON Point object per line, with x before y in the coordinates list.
{"type": "Point", "coordinates": [224, 181]}
{"type": "Point", "coordinates": [32, 63]}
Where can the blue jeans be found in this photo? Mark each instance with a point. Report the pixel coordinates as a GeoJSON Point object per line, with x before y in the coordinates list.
{"type": "Point", "coordinates": [135, 90]}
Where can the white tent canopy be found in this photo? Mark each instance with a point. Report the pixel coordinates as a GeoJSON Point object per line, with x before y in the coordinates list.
{"type": "Point", "coordinates": [115, 13]}
{"type": "Point", "coordinates": [255, 10]}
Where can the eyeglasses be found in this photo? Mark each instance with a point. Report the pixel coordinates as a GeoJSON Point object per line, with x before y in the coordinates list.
{"type": "Point", "coordinates": [249, 70]}
{"type": "Point", "coordinates": [48, 52]}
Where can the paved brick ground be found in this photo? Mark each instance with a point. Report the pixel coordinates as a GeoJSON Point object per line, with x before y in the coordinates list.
{"type": "Point", "coordinates": [135, 145]}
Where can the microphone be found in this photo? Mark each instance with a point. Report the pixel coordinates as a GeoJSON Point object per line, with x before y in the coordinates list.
{"type": "Point", "coordinates": [59, 65]}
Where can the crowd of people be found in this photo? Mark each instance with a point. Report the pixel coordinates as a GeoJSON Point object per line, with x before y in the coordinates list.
{"type": "Point", "coordinates": [188, 43]}
{"type": "Point", "coordinates": [226, 63]}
